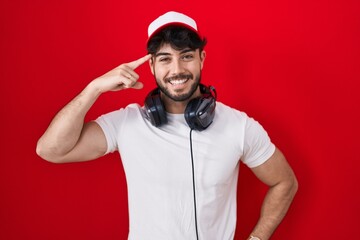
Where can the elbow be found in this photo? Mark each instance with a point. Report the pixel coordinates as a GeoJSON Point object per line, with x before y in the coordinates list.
{"type": "Point", "coordinates": [294, 186]}
{"type": "Point", "coordinates": [47, 153]}
{"type": "Point", "coordinates": [289, 187]}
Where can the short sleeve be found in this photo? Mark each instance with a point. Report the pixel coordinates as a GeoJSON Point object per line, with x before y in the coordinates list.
{"type": "Point", "coordinates": [257, 145]}
{"type": "Point", "coordinates": [110, 124]}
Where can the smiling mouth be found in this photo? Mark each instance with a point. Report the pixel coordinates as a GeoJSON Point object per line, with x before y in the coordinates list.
{"type": "Point", "coordinates": [178, 82]}
{"type": "Point", "coordinates": [179, 79]}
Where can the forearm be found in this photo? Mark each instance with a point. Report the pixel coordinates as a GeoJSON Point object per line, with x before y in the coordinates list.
{"type": "Point", "coordinates": [274, 208]}
{"type": "Point", "coordinates": [65, 129]}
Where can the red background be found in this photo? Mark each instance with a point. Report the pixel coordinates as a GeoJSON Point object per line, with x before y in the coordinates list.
{"type": "Point", "coordinates": [292, 65]}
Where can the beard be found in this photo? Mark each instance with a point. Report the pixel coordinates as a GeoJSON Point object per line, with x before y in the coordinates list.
{"type": "Point", "coordinates": [179, 97]}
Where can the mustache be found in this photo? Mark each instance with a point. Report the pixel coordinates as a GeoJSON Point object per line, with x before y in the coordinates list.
{"type": "Point", "coordinates": [179, 76]}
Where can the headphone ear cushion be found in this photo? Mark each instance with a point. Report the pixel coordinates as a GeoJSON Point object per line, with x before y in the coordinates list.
{"type": "Point", "coordinates": [200, 112]}
{"type": "Point", "coordinates": [191, 111]}
{"type": "Point", "coordinates": [155, 108]}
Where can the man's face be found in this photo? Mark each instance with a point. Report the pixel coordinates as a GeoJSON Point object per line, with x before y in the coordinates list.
{"type": "Point", "coordinates": [177, 73]}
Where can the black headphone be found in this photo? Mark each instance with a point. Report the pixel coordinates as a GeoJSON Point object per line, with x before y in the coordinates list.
{"type": "Point", "coordinates": [199, 112]}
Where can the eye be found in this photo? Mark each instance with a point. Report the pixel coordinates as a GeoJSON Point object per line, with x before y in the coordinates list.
{"type": "Point", "coordinates": [164, 59]}
{"type": "Point", "coordinates": [187, 57]}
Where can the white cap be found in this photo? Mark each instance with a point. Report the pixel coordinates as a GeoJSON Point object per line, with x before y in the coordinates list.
{"type": "Point", "coordinates": [171, 18]}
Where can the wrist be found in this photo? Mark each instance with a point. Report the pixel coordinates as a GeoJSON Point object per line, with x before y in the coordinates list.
{"type": "Point", "coordinates": [93, 89]}
{"type": "Point", "coordinates": [252, 237]}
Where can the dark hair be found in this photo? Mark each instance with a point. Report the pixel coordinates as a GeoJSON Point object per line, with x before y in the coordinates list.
{"type": "Point", "coordinates": [178, 37]}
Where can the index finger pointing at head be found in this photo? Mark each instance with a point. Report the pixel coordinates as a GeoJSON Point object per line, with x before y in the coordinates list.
{"type": "Point", "coordinates": [138, 62]}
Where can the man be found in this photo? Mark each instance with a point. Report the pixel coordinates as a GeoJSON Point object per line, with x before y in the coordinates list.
{"type": "Point", "coordinates": [180, 151]}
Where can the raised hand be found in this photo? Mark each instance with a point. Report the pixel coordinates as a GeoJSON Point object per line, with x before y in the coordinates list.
{"type": "Point", "coordinates": [121, 77]}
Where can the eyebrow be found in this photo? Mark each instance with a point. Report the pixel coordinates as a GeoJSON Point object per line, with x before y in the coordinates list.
{"type": "Point", "coordinates": [168, 54]}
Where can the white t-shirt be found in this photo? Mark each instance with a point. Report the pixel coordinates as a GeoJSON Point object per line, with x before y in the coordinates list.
{"type": "Point", "coordinates": [157, 164]}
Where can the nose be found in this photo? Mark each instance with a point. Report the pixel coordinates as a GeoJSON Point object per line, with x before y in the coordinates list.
{"type": "Point", "coordinates": [176, 67]}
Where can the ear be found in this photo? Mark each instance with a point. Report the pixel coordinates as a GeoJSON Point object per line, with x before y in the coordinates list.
{"type": "Point", "coordinates": [202, 58]}
{"type": "Point", "coordinates": [151, 65]}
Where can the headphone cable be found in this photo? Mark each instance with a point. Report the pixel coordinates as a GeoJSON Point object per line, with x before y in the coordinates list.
{"type": "Point", "coordinates": [193, 180]}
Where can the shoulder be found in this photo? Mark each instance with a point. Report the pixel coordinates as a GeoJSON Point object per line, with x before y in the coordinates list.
{"type": "Point", "coordinates": [120, 116]}
{"type": "Point", "coordinates": [224, 111]}
{"type": "Point", "coordinates": [131, 108]}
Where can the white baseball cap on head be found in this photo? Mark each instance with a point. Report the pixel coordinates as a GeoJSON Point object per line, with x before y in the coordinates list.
{"type": "Point", "coordinates": [169, 19]}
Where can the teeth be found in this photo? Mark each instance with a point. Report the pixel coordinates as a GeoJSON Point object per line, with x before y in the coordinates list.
{"type": "Point", "coordinates": [176, 82]}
